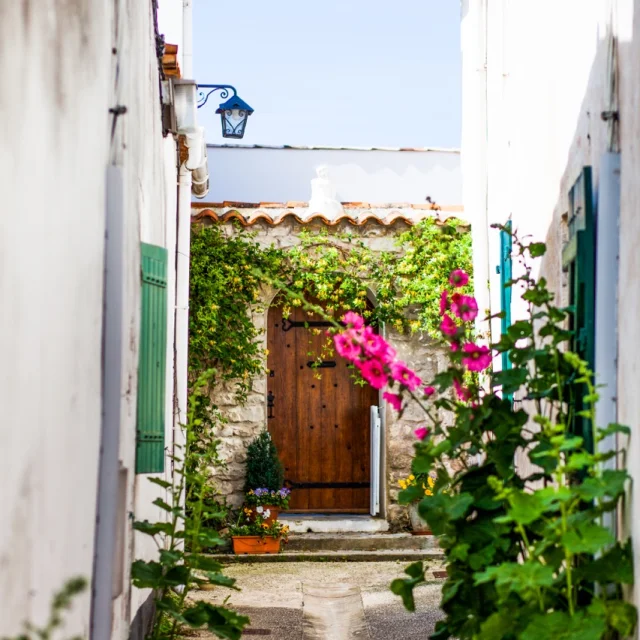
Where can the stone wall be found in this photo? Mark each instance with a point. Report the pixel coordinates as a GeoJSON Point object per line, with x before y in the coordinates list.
{"type": "Point", "coordinates": [246, 421]}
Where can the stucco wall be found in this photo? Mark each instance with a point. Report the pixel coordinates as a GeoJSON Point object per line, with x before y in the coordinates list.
{"type": "Point", "coordinates": [245, 422]}
{"type": "Point", "coordinates": [51, 288]}
{"type": "Point", "coordinates": [66, 65]}
{"type": "Point", "coordinates": [545, 101]}
{"type": "Point", "coordinates": [253, 174]}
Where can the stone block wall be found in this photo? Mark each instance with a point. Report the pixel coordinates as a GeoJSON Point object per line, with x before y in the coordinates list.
{"type": "Point", "coordinates": [246, 421]}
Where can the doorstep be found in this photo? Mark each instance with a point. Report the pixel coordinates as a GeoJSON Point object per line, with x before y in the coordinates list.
{"type": "Point", "coordinates": [431, 556]}
{"type": "Point", "coordinates": [333, 523]}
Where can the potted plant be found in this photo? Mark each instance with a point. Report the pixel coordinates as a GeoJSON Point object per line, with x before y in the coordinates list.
{"type": "Point", "coordinates": [252, 534]}
{"type": "Point", "coordinates": [264, 468]}
{"type": "Point", "coordinates": [261, 501]}
{"type": "Point", "coordinates": [418, 526]}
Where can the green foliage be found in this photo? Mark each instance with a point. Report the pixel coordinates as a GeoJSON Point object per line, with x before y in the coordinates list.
{"type": "Point", "coordinates": [181, 538]}
{"type": "Point", "coordinates": [61, 602]}
{"type": "Point", "coordinates": [528, 558]}
{"type": "Point", "coordinates": [223, 288]}
{"type": "Point", "coordinates": [264, 469]}
{"type": "Point", "coordinates": [338, 270]}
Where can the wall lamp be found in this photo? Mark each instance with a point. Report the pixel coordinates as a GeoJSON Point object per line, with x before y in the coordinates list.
{"type": "Point", "coordinates": [234, 112]}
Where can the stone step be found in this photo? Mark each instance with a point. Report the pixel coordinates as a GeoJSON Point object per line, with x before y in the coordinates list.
{"type": "Point", "coordinates": [333, 523]}
{"type": "Point", "coordinates": [360, 542]}
{"type": "Point", "coordinates": [411, 555]}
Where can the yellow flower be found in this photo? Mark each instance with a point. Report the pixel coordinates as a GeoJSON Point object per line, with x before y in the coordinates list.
{"type": "Point", "coordinates": [265, 525]}
{"type": "Point", "coordinates": [412, 477]}
{"type": "Point", "coordinates": [431, 482]}
{"type": "Point", "coordinates": [428, 492]}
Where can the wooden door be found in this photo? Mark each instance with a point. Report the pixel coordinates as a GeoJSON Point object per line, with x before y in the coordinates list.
{"type": "Point", "coordinates": [321, 426]}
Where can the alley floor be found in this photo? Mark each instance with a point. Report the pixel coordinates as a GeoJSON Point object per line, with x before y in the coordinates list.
{"type": "Point", "coordinates": [328, 601]}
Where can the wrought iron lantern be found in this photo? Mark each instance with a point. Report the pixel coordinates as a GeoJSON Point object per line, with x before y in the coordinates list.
{"type": "Point", "coordinates": [234, 112]}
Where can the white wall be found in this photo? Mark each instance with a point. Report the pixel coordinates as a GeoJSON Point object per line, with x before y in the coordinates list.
{"type": "Point", "coordinates": [54, 125]}
{"type": "Point", "coordinates": [252, 174]}
{"type": "Point", "coordinates": [55, 145]}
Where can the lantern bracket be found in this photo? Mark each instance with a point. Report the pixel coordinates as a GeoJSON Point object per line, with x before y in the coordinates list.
{"type": "Point", "coordinates": [205, 90]}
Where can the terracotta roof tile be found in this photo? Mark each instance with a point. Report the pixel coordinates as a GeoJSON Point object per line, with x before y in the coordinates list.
{"type": "Point", "coordinates": [170, 65]}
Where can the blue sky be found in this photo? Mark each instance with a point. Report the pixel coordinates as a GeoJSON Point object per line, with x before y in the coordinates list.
{"type": "Point", "coordinates": [336, 72]}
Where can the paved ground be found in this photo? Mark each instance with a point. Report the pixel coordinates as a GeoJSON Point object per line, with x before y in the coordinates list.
{"type": "Point", "coordinates": [328, 601]}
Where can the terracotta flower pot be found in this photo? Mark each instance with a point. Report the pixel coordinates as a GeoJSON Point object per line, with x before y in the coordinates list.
{"type": "Point", "coordinates": [418, 526]}
{"type": "Point", "coordinates": [255, 544]}
{"type": "Point", "coordinates": [273, 516]}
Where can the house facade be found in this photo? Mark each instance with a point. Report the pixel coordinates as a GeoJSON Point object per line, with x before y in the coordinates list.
{"type": "Point", "coordinates": [92, 348]}
{"type": "Point", "coordinates": [550, 145]}
{"type": "Point", "coordinates": [342, 447]}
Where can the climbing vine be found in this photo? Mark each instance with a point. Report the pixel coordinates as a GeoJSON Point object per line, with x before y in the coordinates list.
{"type": "Point", "coordinates": [229, 272]}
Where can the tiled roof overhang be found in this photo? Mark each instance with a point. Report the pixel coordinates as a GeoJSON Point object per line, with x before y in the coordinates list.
{"type": "Point", "coordinates": [356, 213]}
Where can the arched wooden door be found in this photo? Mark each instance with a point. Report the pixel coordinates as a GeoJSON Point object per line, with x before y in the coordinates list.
{"type": "Point", "coordinates": [321, 427]}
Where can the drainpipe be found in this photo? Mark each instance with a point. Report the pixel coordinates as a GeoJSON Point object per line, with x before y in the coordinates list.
{"type": "Point", "coordinates": [106, 534]}
{"type": "Point", "coordinates": [194, 141]}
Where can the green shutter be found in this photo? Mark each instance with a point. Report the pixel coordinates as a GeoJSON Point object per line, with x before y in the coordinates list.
{"type": "Point", "coordinates": [152, 361]}
{"type": "Point", "coordinates": [579, 260]}
{"type": "Point", "coordinates": [505, 270]}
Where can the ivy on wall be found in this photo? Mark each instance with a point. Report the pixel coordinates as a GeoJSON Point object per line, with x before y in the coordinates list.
{"type": "Point", "coordinates": [228, 273]}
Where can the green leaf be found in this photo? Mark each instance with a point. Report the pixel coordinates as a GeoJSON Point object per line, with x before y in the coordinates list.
{"type": "Point", "coordinates": [520, 329]}
{"type": "Point", "coordinates": [404, 587]}
{"type": "Point", "coordinates": [147, 575]}
{"type": "Point", "coordinates": [587, 537]}
{"type": "Point", "coordinates": [517, 577]}
{"type": "Point", "coordinates": [449, 590]}
{"type": "Point", "coordinates": [168, 558]}
{"type": "Point", "coordinates": [159, 502]}
{"type": "Point", "coordinates": [220, 621]}
{"type": "Point", "coordinates": [559, 625]}
{"type": "Point", "coordinates": [611, 483]}
{"type": "Point", "coordinates": [614, 566]}
{"type": "Point", "coordinates": [222, 580]}
{"type": "Point", "coordinates": [510, 379]}
{"type": "Point", "coordinates": [611, 429]}
{"type": "Point", "coordinates": [622, 616]}
{"type": "Point", "coordinates": [203, 563]}
{"type": "Point", "coordinates": [537, 249]}
{"type": "Point", "coordinates": [524, 508]}
{"type": "Point", "coordinates": [152, 529]}
{"type": "Point", "coordinates": [160, 482]}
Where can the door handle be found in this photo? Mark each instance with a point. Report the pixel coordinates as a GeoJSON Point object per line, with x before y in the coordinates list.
{"type": "Point", "coordinates": [271, 399]}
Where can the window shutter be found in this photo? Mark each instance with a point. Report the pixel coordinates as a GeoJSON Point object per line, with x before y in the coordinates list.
{"type": "Point", "coordinates": [152, 361]}
{"type": "Point", "coordinates": [506, 245]}
{"type": "Point", "coordinates": [579, 259]}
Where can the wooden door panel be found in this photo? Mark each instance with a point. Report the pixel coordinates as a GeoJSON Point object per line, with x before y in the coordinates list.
{"type": "Point", "coordinates": [321, 419]}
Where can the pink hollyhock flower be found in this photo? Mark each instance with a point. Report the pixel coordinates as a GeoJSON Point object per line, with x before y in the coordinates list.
{"type": "Point", "coordinates": [405, 376]}
{"type": "Point", "coordinates": [347, 345]}
{"type": "Point", "coordinates": [458, 278]}
{"type": "Point", "coordinates": [421, 433]}
{"type": "Point", "coordinates": [465, 307]}
{"type": "Point", "coordinates": [429, 391]}
{"type": "Point", "coordinates": [444, 302]}
{"type": "Point", "coordinates": [448, 326]}
{"type": "Point", "coordinates": [476, 357]}
{"type": "Point", "coordinates": [393, 399]}
{"type": "Point", "coordinates": [353, 319]}
{"type": "Point", "coordinates": [461, 392]}
{"type": "Point", "coordinates": [373, 372]}
{"type": "Point", "coordinates": [376, 346]}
